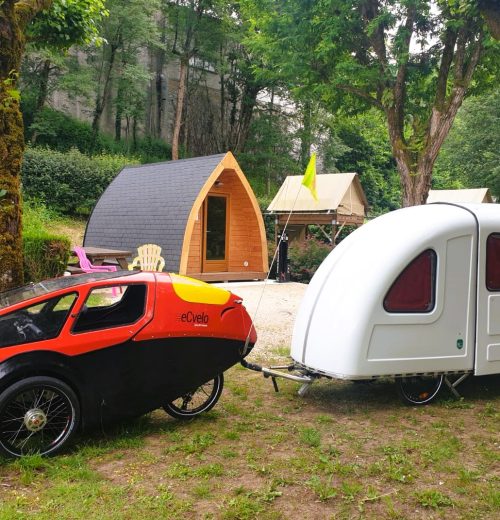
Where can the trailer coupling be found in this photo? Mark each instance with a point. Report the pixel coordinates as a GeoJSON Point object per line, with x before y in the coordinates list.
{"type": "Point", "coordinates": [279, 371]}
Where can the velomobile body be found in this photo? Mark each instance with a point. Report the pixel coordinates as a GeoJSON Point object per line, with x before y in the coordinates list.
{"type": "Point", "coordinates": [79, 350]}
{"type": "Point", "coordinates": [413, 293]}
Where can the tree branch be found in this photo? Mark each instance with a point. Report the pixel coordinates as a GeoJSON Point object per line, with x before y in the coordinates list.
{"type": "Point", "coordinates": [474, 60]}
{"type": "Point", "coordinates": [399, 86]}
{"type": "Point", "coordinates": [369, 12]}
{"type": "Point", "coordinates": [450, 38]}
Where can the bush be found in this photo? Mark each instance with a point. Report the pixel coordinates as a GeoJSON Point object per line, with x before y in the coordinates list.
{"type": "Point", "coordinates": [305, 257]}
{"type": "Point", "coordinates": [61, 132]}
{"type": "Point", "coordinates": [68, 182]}
{"type": "Point", "coordinates": [45, 255]}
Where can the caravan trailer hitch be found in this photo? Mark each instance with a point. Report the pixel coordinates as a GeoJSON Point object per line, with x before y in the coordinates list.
{"type": "Point", "coordinates": [279, 371]}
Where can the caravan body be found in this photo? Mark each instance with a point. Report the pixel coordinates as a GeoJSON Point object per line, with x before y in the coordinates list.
{"type": "Point", "coordinates": [415, 291]}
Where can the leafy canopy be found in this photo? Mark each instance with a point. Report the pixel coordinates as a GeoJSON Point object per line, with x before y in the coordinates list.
{"type": "Point", "coordinates": [67, 23]}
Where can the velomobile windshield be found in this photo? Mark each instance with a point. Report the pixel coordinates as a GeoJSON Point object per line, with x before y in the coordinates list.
{"type": "Point", "coordinates": [33, 290]}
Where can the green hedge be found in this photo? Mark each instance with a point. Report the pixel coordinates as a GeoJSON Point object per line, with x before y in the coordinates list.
{"type": "Point", "coordinates": [45, 255]}
{"type": "Point", "coordinates": [61, 132]}
{"type": "Point", "coordinates": [68, 182]}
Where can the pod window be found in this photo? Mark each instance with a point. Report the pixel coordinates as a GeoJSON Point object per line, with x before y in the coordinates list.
{"type": "Point", "coordinates": [415, 288]}
{"type": "Point", "coordinates": [493, 262]}
{"type": "Point", "coordinates": [107, 307]}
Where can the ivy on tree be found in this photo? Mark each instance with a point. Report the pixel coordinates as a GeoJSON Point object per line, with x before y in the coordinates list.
{"type": "Point", "coordinates": [15, 19]}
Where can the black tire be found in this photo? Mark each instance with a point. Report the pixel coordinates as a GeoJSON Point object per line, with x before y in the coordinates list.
{"type": "Point", "coordinates": [197, 401]}
{"type": "Point", "coordinates": [38, 415]}
{"type": "Point", "coordinates": [418, 390]}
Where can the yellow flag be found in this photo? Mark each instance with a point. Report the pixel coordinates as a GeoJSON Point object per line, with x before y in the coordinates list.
{"type": "Point", "coordinates": [309, 180]}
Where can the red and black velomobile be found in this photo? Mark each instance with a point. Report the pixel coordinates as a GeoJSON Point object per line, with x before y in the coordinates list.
{"type": "Point", "coordinates": [77, 351]}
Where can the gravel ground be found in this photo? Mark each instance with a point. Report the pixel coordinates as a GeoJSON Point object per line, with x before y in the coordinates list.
{"type": "Point", "coordinates": [273, 307]}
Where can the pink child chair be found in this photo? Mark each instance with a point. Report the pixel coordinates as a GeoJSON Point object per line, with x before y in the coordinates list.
{"type": "Point", "coordinates": [87, 267]}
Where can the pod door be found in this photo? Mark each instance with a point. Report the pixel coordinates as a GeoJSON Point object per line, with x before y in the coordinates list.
{"type": "Point", "coordinates": [215, 233]}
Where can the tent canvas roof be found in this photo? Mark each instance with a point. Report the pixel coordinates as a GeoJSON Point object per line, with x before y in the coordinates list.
{"type": "Point", "coordinates": [341, 192]}
{"type": "Point", "coordinates": [473, 195]}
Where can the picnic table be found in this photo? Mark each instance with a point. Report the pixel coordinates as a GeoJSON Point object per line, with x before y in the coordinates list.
{"type": "Point", "coordinates": [98, 255]}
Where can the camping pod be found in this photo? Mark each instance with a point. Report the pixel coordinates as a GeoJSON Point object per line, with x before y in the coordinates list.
{"type": "Point", "coordinates": [412, 293]}
{"type": "Point", "coordinates": [201, 211]}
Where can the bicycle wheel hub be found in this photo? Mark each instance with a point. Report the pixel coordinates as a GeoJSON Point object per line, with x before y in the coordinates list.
{"type": "Point", "coordinates": [35, 419]}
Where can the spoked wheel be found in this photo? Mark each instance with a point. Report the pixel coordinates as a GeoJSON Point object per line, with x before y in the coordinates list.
{"type": "Point", "coordinates": [198, 401]}
{"type": "Point", "coordinates": [38, 415]}
{"type": "Point", "coordinates": [419, 389]}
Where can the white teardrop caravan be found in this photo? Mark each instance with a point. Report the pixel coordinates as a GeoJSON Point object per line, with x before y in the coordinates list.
{"type": "Point", "coordinates": [413, 294]}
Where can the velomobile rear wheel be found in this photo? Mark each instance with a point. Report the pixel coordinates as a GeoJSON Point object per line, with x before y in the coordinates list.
{"type": "Point", "coordinates": [38, 415]}
{"type": "Point", "coordinates": [197, 401]}
{"type": "Point", "coordinates": [416, 390]}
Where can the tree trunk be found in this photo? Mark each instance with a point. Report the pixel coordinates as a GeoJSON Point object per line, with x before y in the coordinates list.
{"type": "Point", "coordinates": [13, 21]}
{"type": "Point", "coordinates": [181, 92]}
{"type": "Point", "coordinates": [415, 169]}
{"type": "Point", "coordinates": [119, 113]}
{"type": "Point", "coordinates": [42, 94]}
{"type": "Point", "coordinates": [248, 102]}
{"type": "Point", "coordinates": [101, 97]}
{"type": "Point", "coordinates": [161, 58]}
{"type": "Point", "coordinates": [306, 139]}
{"type": "Point", "coordinates": [491, 12]}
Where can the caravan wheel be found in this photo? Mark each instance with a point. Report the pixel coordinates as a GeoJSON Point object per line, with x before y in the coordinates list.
{"type": "Point", "coordinates": [416, 390]}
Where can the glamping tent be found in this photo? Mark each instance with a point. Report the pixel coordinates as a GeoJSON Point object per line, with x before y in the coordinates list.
{"type": "Point", "coordinates": [341, 201]}
{"type": "Point", "coordinates": [477, 195]}
{"type": "Point", "coordinates": [201, 211]}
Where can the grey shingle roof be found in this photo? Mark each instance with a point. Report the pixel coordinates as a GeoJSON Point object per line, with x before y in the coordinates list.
{"type": "Point", "coordinates": [150, 204]}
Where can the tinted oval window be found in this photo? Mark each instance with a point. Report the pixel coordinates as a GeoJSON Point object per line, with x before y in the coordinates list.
{"type": "Point", "coordinates": [414, 289]}
{"type": "Point", "coordinates": [493, 262]}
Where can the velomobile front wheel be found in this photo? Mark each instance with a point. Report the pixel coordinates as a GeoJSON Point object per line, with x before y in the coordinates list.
{"type": "Point", "coordinates": [197, 401]}
{"type": "Point", "coordinates": [416, 390]}
{"type": "Point", "coordinates": [38, 415]}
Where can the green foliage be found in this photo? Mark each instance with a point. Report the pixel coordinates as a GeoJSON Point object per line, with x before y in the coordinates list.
{"type": "Point", "coordinates": [268, 154]}
{"type": "Point", "coordinates": [433, 499]}
{"type": "Point", "coordinates": [45, 254]}
{"type": "Point", "coordinates": [310, 437]}
{"type": "Point", "coordinates": [305, 257]}
{"type": "Point", "coordinates": [367, 152]}
{"type": "Point", "coordinates": [129, 29]}
{"type": "Point", "coordinates": [352, 55]}
{"type": "Point", "coordinates": [67, 23]}
{"type": "Point", "coordinates": [471, 154]}
{"type": "Point", "coordinates": [69, 182]}
{"type": "Point", "coordinates": [62, 133]}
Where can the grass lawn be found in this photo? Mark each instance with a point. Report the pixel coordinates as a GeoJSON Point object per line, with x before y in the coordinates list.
{"type": "Point", "coordinates": [343, 451]}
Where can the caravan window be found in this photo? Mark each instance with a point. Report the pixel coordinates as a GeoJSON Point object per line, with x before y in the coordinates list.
{"type": "Point", "coordinates": [493, 262]}
{"type": "Point", "coordinates": [415, 288]}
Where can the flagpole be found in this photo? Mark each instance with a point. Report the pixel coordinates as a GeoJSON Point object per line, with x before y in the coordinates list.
{"type": "Point", "coordinates": [311, 180]}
